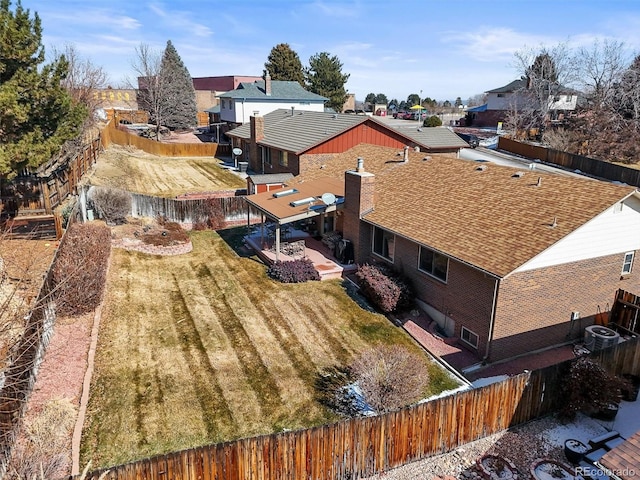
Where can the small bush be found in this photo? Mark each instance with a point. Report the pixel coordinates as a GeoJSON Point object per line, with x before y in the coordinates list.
{"type": "Point", "coordinates": [384, 288]}
{"type": "Point", "coordinates": [588, 388]}
{"type": "Point", "coordinates": [112, 204]}
{"type": "Point", "coordinates": [79, 271]}
{"type": "Point", "coordinates": [294, 271]}
{"type": "Point", "coordinates": [432, 121]}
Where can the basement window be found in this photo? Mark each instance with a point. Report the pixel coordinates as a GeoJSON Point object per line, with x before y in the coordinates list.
{"type": "Point", "coordinates": [628, 263]}
{"type": "Point", "coordinates": [469, 337]}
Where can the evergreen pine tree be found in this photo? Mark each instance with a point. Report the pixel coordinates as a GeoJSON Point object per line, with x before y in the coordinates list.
{"type": "Point", "coordinates": [37, 114]}
{"type": "Point", "coordinates": [178, 96]}
{"type": "Point", "coordinates": [325, 77]}
{"type": "Point", "coordinates": [284, 64]}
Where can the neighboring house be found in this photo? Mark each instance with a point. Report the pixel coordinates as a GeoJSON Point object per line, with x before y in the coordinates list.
{"type": "Point", "coordinates": [118, 101]}
{"type": "Point", "coordinates": [297, 141]}
{"type": "Point", "coordinates": [265, 96]}
{"type": "Point", "coordinates": [503, 99]}
{"type": "Point", "coordinates": [209, 88]}
{"type": "Point", "coordinates": [501, 259]}
{"type": "Point", "coordinates": [267, 183]}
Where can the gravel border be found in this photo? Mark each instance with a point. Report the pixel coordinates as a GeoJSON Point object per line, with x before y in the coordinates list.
{"type": "Point", "coordinates": [522, 445]}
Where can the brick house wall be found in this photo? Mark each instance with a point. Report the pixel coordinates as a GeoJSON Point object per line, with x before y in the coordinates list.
{"type": "Point", "coordinates": [466, 298]}
{"type": "Point", "coordinates": [534, 307]}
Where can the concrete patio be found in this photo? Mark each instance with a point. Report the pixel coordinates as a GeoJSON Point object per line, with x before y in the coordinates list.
{"type": "Point", "coordinates": [299, 244]}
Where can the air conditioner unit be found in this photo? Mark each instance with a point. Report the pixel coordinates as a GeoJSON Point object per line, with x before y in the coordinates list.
{"type": "Point", "coordinates": [597, 337]}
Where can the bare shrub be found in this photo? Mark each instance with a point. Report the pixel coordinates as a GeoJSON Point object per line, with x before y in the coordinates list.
{"type": "Point", "coordinates": [390, 377]}
{"type": "Point", "coordinates": [43, 450]}
{"type": "Point", "coordinates": [80, 269]}
{"type": "Point", "coordinates": [112, 204]}
{"type": "Point", "coordinates": [211, 213]}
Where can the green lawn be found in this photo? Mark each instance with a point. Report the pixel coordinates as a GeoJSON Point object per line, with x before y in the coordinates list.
{"type": "Point", "coordinates": [203, 347]}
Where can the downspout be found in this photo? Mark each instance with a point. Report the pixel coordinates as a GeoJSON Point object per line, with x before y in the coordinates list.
{"type": "Point", "coordinates": [493, 319]}
{"type": "Point", "coordinates": [243, 120]}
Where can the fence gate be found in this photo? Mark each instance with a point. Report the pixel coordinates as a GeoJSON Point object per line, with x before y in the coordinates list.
{"type": "Point", "coordinates": [626, 311]}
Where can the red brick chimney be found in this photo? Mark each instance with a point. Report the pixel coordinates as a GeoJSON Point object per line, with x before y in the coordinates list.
{"type": "Point", "coordinates": [359, 199]}
{"type": "Point", "coordinates": [256, 134]}
{"type": "Point", "coordinates": [267, 83]}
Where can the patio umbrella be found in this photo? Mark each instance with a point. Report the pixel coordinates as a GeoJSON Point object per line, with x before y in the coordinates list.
{"type": "Point", "coordinates": [417, 107]}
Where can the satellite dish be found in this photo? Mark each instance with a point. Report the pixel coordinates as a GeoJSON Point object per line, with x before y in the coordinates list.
{"type": "Point", "coordinates": [328, 198]}
{"type": "Point", "coordinates": [237, 152]}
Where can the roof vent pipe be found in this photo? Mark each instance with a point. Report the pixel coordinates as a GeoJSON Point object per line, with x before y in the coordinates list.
{"type": "Point", "coordinates": [405, 155]}
{"type": "Point", "coordinates": [292, 109]}
{"type": "Point", "coordinates": [539, 182]}
{"type": "Point", "coordinates": [360, 168]}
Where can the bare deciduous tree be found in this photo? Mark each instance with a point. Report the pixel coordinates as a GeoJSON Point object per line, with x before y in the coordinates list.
{"type": "Point", "coordinates": [83, 80]}
{"type": "Point", "coordinates": [545, 73]}
{"type": "Point", "coordinates": [390, 377]}
{"type": "Point", "coordinates": [149, 85]}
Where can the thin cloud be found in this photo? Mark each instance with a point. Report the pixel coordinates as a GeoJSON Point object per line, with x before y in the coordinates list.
{"type": "Point", "coordinates": [334, 9]}
{"type": "Point", "coordinates": [491, 44]}
{"type": "Point", "coordinates": [180, 21]}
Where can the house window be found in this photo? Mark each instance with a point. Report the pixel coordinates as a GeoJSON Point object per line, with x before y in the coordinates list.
{"type": "Point", "coordinates": [501, 95]}
{"type": "Point", "coordinates": [469, 337]}
{"type": "Point", "coordinates": [284, 158]}
{"type": "Point", "coordinates": [383, 243]}
{"type": "Point", "coordinates": [267, 156]}
{"type": "Point", "coordinates": [628, 263]}
{"type": "Point", "coordinates": [433, 263]}
{"type": "Point", "coordinates": [221, 103]}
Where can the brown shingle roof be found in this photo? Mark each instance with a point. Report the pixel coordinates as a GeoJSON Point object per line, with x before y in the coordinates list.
{"type": "Point", "coordinates": [624, 460]}
{"type": "Point", "coordinates": [486, 218]}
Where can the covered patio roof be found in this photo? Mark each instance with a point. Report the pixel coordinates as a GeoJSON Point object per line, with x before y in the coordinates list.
{"type": "Point", "coordinates": [301, 201]}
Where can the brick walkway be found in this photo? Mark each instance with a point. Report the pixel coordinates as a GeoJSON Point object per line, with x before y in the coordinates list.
{"type": "Point", "coordinates": [421, 328]}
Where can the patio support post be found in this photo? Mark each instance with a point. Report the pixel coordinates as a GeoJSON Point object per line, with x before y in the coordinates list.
{"type": "Point", "coordinates": [261, 229]}
{"type": "Point", "coordinates": [277, 241]}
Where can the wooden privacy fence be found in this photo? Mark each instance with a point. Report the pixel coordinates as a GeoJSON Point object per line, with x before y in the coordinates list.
{"type": "Point", "coordinates": [20, 376]}
{"type": "Point", "coordinates": [42, 190]}
{"type": "Point", "coordinates": [229, 206]}
{"type": "Point", "coordinates": [590, 166]}
{"type": "Point", "coordinates": [362, 447]}
{"type": "Point", "coordinates": [111, 134]}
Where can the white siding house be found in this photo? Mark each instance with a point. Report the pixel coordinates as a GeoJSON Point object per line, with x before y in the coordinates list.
{"type": "Point", "coordinates": [263, 97]}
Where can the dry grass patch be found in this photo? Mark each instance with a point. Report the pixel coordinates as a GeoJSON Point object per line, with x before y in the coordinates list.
{"type": "Point", "coordinates": [204, 348]}
{"type": "Point", "coordinates": [140, 172]}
